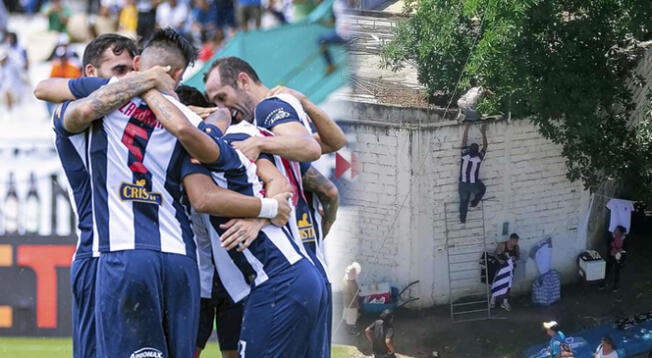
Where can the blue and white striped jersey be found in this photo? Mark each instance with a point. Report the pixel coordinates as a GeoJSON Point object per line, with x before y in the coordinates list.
{"type": "Point", "coordinates": [313, 228]}
{"type": "Point", "coordinates": [270, 112]}
{"type": "Point", "coordinates": [72, 150]}
{"type": "Point", "coordinates": [211, 258]}
{"type": "Point", "coordinates": [274, 250]}
{"type": "Point", "coordinates": [136, 169]}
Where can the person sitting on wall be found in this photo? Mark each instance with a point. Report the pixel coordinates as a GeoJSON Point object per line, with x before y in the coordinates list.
{"type": "Point", "coordinates": [470, 183]}
{"type": "Point", "coordinates": [381, 336]}
{"type": "Point", "coordinates": [616, 251]}
{"type": "Point", "coordinates": [505, 250]}
{"type": "Point", "coordinates": [469, 101]}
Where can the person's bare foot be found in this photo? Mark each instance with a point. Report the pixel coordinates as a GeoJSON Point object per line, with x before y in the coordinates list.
{"type": "Point", "coordinates": [330, 69]}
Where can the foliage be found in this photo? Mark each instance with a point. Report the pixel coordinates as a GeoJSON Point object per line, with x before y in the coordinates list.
{"type": "Point", "coordinates": [568, 65]}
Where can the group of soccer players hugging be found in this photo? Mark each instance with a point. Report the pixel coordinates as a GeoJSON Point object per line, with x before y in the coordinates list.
{"type": "Point", "coordinates": [193, 207]}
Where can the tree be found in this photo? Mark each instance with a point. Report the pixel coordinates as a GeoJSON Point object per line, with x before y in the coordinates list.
{"type": "Point", "coordinates": [568, 65]}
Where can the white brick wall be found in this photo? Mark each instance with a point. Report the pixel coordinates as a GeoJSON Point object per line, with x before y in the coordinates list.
{"type": "Point", "coordinates": [410, 168]}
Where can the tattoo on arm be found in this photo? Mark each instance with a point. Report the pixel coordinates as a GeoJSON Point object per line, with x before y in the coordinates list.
{"type": "Point", "coordinates": [317, 183]}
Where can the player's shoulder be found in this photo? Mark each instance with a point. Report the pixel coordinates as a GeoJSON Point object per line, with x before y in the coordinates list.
{"type": "Point", "coordinates": [277, 110]}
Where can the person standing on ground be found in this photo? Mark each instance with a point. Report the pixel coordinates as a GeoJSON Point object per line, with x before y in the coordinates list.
{"type": "Point", "coordinates": [351, 298]}
{"type": "Point", "coordinates": [470, 183]}
{"type": "Point", "coordinates": [606, 349]}
{"type": "Point", "coordinates": [506, 250]}
{"type": "Point", "coordinates": [616, 251]}
{"type": "Point", "coordinates": [381, 336]}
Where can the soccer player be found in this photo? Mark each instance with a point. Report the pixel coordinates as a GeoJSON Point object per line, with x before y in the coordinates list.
{"type": "Point", "coordinates": [233, 83]}
{"type": "Point", "coordinates": [106, 52]}
{"type": "Point", "coordinates": [108, 55]}
{"type": "Point", "coordinates": [223, 286]}
{"type": "Point", "coordinates": [282, 310]}
{"type": "Point", "coordinates": [147, 285]}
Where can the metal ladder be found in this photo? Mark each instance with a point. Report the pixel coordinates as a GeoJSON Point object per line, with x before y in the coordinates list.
{"type": "Point", "coordinates": [465, 244]}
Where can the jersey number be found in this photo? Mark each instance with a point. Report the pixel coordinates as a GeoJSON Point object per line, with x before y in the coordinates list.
{"type": "Point", "coordinates": [135, 148]}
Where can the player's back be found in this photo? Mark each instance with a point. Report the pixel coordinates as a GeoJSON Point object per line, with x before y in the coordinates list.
{"type": "Point", "coordinates": [136, 178]}
{"type": "Point", "coordinates": [274, 250]}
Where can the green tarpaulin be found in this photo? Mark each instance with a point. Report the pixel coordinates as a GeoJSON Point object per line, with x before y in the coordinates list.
{"type": "Point", "coordinates": [288, 55]}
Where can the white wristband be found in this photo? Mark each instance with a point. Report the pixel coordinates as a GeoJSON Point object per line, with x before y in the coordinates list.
{"type": "Point", "coordinates": [268, 208]}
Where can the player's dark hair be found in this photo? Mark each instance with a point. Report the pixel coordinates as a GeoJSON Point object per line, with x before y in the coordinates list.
{"type": "Point", "coordinates": [230, 67]}
{"type": "Point", "coordinates": [555, 328]}
{"type": "Point", "coordinates": [95, 49]}
{"type": "Point", "coordinates": [473, 82]}
{"type": "Point", "coordinates": [514, 236]}
{"type": "Point", "coordinates": [474, 149]}
{"type": "Point", "coordinates": [169, 40]}
{"type": "Point", "coordinates": [621, 229]}
{"type": "Point", "coordinates": [190, 96]}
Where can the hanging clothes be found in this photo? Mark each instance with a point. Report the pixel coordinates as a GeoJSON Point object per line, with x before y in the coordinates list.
{"type": "Point", "coordinates": [503, 280]}
{"type": "Point", "coordinates": [542, 255]}
{"type": "Point", "coordinates": [621, 213]}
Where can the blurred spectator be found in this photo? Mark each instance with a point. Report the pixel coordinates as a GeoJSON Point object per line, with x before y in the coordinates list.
{"type": "Point", "coordinates": [381, 336]}
{"type": "Point", "coordinates": [172, 13]}
{"type": "Point", "coordinates": [62, 67]}
{"type": "Point", "coordinates": [146, 18]}
{"type": "Point", "coordinates": [225, 14]}
{"type": "Point", "coordinates": [58, 15]}
{"type": "Point", "coordinates": [337, 36]}
{"type": "Point", "coordinates": [104, 22]}
{"type": "Point", "coordinates": [128, 20]}
{"type": "Point", "coordinates": [606, 349]}
{"type": "Point", "coordinates": [17, 53]}
{"type": "Point", "coordinates": [276, 8]}
{"type": "Point", "coordinates": [14, 65]}
{"type": "Point", "coordinates": [212, 46]}
{"type": "Point", "coordinates": [113, 5]}
{"type": "Point", "coordinates": [203, 20]}
{"type": "Point", "coordinates": [249, 10]}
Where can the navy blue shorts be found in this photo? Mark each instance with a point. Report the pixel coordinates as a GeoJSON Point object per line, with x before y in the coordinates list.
{"type": "Point", "coordinates": [146, 304]}
{"type": "Point", "coordinates": [282, 314]}
{"type": "Point", "coordinates": [320, 342]}
{"type": "Point", "coordinates": [228, 316]}
{"type": "Point", "coordinates": [82, 281]}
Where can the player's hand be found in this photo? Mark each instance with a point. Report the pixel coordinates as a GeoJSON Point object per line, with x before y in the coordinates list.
{"type": "Point", "coordinates": [249, 147]}
{"type": "Point", "coordinates": [203, 112]}
{"type": "Point", "coordinates": [282, 89]}
{"type": "Point", "coordinates": [218, 115]}
{"type": "Point", "coordinates": [162, 79]}
{"type": "Point", "coordinates": [284, 209]}
{"type": "Point", "coordinates": [240, 233]}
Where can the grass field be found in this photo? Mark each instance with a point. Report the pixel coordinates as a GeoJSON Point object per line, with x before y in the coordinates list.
{"type": "Point", "coordinates": [13, 347]}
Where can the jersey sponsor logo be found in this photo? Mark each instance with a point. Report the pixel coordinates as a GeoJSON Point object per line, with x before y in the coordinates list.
{"type": "Point", "coordinates": [147, 352]}
{"type": "Point", "coordinates": [306, 230]}
{"type": "Point", "coordinates": [275, 116]}
{"type": "Point", "coordinates": [139, 193]}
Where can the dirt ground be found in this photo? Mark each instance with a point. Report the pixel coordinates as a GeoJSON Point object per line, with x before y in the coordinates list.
{"type": "Point", "coordinates": [418, 333]}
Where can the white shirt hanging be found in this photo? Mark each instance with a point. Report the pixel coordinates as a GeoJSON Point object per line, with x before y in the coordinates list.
{"type": "Point", "coordinates": [621, 213]}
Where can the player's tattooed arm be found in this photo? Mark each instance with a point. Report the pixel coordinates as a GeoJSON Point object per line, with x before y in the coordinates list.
{"type": "Point", "coordinates": [291, 141]}
{"type": "Point", "coordinates": [329, 135]}
{"type": "Point", "coordinates": [198, 144]}
{"type": "Point", "coordinates": [54, 90]}
{"type": "Point", "coordinates": [326, 191]}
{"type": "Point", "coordinates": [81, 113]}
